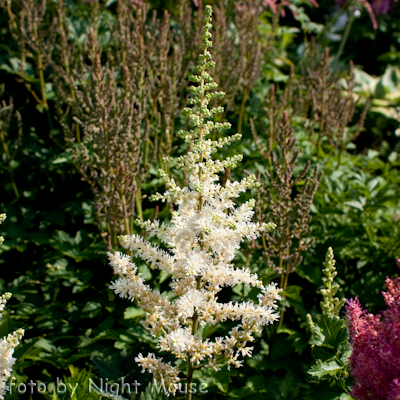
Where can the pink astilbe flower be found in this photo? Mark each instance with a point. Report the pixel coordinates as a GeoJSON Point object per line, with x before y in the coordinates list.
{"type": "Point", "coordinates": [273, 6]}
{"type": "Point", "coordinates": [375, 339]}
{"type": "Point", "coordinates": [373, 7]}
{"type": "Point", "coordinates": [394, 392]}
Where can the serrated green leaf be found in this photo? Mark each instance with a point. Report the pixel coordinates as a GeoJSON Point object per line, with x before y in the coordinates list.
{"type": "Point", "coordinates": [293, 292]}
{"type": "Point", "coordinates": [220, 379]}
{"type": "Point", "coordinates": [321, 369]}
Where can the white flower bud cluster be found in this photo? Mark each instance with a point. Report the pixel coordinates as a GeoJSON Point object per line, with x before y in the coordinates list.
{"type": "Point", "coordinates": [3, 301]}
{"type": "Point", "coordinates": [2, 219]}
{"type": "Point", "coordinates": [162, 372]}
{"type": "Point", "coordinates": [202, 239]}
{"type": "Point", "coordinates": [7, 344]}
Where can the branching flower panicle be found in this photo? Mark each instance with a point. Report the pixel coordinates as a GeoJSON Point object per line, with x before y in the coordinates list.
{"type": "Point", "coordinates": [375, 341]}
{"type": "Point", "coordinates": [282, 202]}
{"type": "Point", "coordinates": [202, 239]}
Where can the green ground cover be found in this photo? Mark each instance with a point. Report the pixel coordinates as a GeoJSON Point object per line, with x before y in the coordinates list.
{"type": "Point", "coordinates": [91, 101]}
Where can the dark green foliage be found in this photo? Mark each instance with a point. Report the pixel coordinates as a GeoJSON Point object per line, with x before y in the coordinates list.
{"type": "Point", "coordinates": [54, 260]}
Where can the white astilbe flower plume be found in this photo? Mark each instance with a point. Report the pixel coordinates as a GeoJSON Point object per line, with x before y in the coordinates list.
{"type": "Point", "coordinates": [7, 344]}
{"type": "Point", "coordinates": [205, 232]}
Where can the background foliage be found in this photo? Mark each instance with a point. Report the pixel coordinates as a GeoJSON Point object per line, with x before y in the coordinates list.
{"type": "Point", "coordinates": [54, 256]}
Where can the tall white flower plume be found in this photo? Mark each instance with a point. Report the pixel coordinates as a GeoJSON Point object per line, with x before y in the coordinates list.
{"type": "Point", "coordinates": [201, 241]}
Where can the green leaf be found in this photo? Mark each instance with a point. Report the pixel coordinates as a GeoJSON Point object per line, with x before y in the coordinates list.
{"type": "Point", "coordinates": [325, 391]}
{"type": "Point", "coordinates": [133, 312]}
{"type": "Point", "coordinates": [91, 309]}
{"type": "Point", "coordinates": [321, 368]}
{"type": "Point", "coordinates": [142, 334]}
{"type": "Point", "coordinates": [287, 388]}
{"type": "Point", "coordinates": [293, 292]}
{"type": "Point", "coordinates": [46, 345]}
{"type": "Point", "coordinates": [355, 204]}
{"type": "Point", "coordinates": [334, 330]}
{"type": "Point", "coordinates": [78, 385]}
{"type": "Point", "coordinates": [151, 393]}
{"type": "Point", "coordinates": [317, 337]}
{"type": "Point", "coordinates": [323, 352]}
{"type": "Point", "coordinates": [220, 379]}
{"type": "Point", "coordinates": [107, 368]}
{"type": "Point", "coordinates": [372, 183]}
{"type": "Point", "coordinates": [254, 384]}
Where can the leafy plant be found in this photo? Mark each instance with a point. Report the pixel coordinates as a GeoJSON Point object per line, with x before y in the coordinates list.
{"type": "Point", "coordinates": [54, 257]}
{"type": "Point", "coordinates": [330, 338]}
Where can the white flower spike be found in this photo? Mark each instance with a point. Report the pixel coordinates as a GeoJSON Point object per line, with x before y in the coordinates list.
{"type": "Point", "coordinates": [202, 239]}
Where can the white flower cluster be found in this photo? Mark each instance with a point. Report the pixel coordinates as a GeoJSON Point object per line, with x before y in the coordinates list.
{"type": "Point", "coordinates": [2, 219]}
{"type": "Point", "coordinates": [204, 234]}
{"type": "Point", "coordinates": [7, 344]}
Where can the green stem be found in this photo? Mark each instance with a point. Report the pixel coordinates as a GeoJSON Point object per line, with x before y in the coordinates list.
{"type": "Point", "coordinates": [284, 284]}
{"type": "Point", "coordinates": [286, 281]}
{"type": "Point", "coordinates": [195, 322]}
{"type": "Point", "coordinates": [322, 124]}
{"type": "Point", "coordinates": [271, 138]}
{"type": "Point", "coordinates": [138, 202]}
{"type": "Point", "coordinates": [241, 113]}
{"type": "Point", "coordinates": [369, 233]}
{"type": "Point", "coordinates": [41, 74]}
{"type": "Point", "coordinates": [319, 146]}
{"type": "Point", "coordinates": [146, 153]}
{"type": "Point", "coordinates": [14, 185]}
{"type": "Point", "coordinates": [9, 159]}
{"type": "Point", "coordinates": [344, 39]}
{"type": "Point", "coordinates": [131, 224]}
{"type": "Point", "coordinates": [12, 16]}
{"type": "Point", "coordinates": [189, 378]}
{"type": "Point", "coordinates": [126, 219]}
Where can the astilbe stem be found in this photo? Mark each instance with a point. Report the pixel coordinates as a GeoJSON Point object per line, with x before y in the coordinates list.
{"type": "Point", "coordinates": [201, 241]}
{"type": "Point", "coordinates": [35, 41]}
{"type": "Point", "coordinates": [10, 150]}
